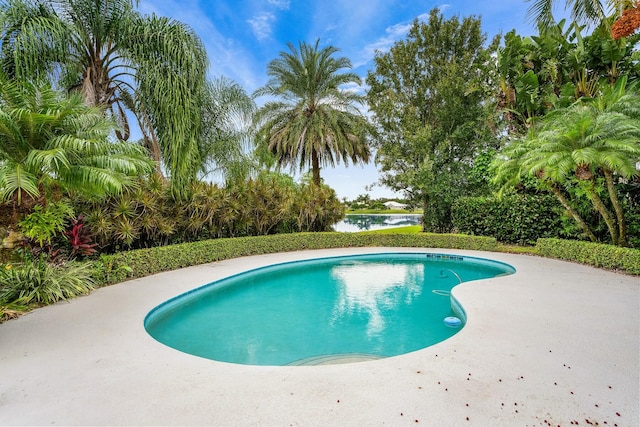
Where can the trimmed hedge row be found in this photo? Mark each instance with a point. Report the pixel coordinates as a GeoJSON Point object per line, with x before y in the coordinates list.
{"type": "Point", "coordinates": [144, 262]}
{"type": "Point", "coordinates": [594, 254]}
{"type": "Point", "coordinates": [520, 218]}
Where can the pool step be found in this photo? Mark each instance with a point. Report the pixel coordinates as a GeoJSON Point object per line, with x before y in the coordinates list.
{"type": "Point", "coordinates": [335, 359]}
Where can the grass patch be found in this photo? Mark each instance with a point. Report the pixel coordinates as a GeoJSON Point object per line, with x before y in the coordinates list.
{"type": "Point", "coordinates": [409, 229]}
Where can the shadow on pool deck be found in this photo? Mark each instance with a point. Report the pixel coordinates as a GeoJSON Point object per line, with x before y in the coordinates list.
{"type": "Point", "coordinates": [552, 344]}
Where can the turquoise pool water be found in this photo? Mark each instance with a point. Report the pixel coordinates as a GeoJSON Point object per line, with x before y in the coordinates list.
{"type": "Point", "coordinates": [326, 310]}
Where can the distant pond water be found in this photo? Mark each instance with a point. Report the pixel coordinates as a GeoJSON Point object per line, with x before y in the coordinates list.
{"type": "Point", "coordinates": [364, 222]}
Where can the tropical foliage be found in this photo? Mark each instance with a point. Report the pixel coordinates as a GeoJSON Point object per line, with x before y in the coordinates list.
{"type": "Point", "coordinates": [47, 139]}
{"type": "Point", "coordinates": [581, 11]}
{"type": "Point", "coordinates": [431, 96]}
{"type": "Point", "coordinates": [313, 122]}
{"type": "Point", "coordinates": [43, 224]}
{"type": "Point", "coordinates": [37, 281]}
{"type": "Point", "coordinates": [227, 114]}
{"type": "Point", "coordinates": [149, 216]}
{"type": "Point", "coordinates": [555, 68]}
{"type": "Point", "coordinates": [120, 61]}
{"type": "Point", "coordinates": [586, 147]}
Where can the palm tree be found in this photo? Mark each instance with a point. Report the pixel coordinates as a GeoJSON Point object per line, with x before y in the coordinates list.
{"type": "Point", "coordinates": [313, 123]}
{"type": "Point", "coordinates": [46, 138]}
{"type": "Point", "coordinates": [590, 139]}
{"type": "Point", "coordinates": [582, 11]}
{"type": "Point", "coordinates": [227, 113]}
{"type": "Point", "coordinates": [619, 157]}
{"type": "Point", "coordinates": [118, 60]}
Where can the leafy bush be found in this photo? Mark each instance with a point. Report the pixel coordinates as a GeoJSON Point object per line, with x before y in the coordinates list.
{"type": "Point", "coordinates": [518, 219]}
{"type": "Point", "coordinates": [632, 216]}
{"type": "Point", "coordinates": [143, 262]}
{"type": "Point", "coordinates": [149, 216]}
{"type": "Point", "coordinates": [43, 224]}
{"type": "Point", "coordinates": [36, 281]}
{"type": "Point", "coordinates": [594, 254]}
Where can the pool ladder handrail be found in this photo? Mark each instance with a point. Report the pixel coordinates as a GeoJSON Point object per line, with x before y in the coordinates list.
{"type": "Point", "coordinates": [442, 292]}
{"type": "Point", "coordinates": [454, 273]}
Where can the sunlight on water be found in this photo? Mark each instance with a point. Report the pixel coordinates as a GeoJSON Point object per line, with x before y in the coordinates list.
{"type": "Point", "coordinates": [374, 288]}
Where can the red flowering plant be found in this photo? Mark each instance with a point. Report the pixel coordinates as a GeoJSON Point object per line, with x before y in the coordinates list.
{"type": "Point", "coordinates": [80, 238]}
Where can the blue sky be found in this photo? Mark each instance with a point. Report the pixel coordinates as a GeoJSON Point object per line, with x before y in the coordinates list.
{"type": "Point", "coordinates": [242, 36]}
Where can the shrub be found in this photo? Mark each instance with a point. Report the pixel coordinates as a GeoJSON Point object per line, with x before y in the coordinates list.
{"type": "Point", "coordinates": [520, 219]}
{"type": "Point", "coordinates": [143, 262]}
{"type": "Point", "coordinates": [148, 216]}
{"type": "Point", "coordinates": [36, 281]}
{"type": "Point", "coordinates": [43, 224]}
{"type": "Point", "coordinates": [594, 254]}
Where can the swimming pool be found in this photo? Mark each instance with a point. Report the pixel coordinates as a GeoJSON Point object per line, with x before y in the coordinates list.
{"type": "Point", "coordinates": [326, 310]}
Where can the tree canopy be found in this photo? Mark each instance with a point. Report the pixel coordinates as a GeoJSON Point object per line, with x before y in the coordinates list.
{"type": "Point", "coordinates": [430, 95]}
{"type": "Point", "coordinates": [558, 66]}
{"type": "Point", "coordinates": [313, 121]}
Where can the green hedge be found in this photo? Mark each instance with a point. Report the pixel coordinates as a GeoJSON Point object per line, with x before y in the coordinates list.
{"type": "Point", "coordinates": [143, 262]}
{"type": "Point", "coordinates": [594, 254]}
{"type": "Point", "coordinates": [520, 219]}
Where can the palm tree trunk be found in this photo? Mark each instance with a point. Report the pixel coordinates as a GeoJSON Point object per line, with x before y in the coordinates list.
{"type": "Point", "coordinates": [315, 167]}
{"type": "Point", "coordinates": [150, 141]}
{"type": "Point", "coordinates": [603, 211]}
{"type": "Point", "coordinates": [574, 214]}
{"type": "Point", "coordinates": [613, 195]}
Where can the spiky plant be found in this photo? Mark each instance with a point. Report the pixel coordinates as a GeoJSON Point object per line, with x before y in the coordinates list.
{"type": "Point", "coordinates": [36, 281]}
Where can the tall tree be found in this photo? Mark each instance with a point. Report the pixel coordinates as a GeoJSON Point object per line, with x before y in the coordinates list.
{"type": "Point", "coordinates": [313, 122]}
{"type": "Point", "coordinates": [48, 138]}
{"type": "Point", "coordinates": [118, 60]}
{"type": "Point", "coordinates": [430, 95]}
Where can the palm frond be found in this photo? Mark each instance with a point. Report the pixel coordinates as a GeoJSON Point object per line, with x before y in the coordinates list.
{"type": "Point", "coordinates": [14, 179]}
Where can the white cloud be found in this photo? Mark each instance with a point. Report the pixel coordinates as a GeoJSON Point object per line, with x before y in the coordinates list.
{"type": "Point", "coordinates": [261, 25]}
{"type": "Point", "coordinates": [393, 33]}
{"type": "Point", "coordinates": [360, 89]}
{"type": "Point", "coordinates": [280, 4]}
{"type": "Point", "coordinates": [443, 7]}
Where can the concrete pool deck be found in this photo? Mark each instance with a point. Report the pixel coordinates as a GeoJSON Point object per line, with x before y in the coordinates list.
{"type": "Point", "coordinates": [553, 344]}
